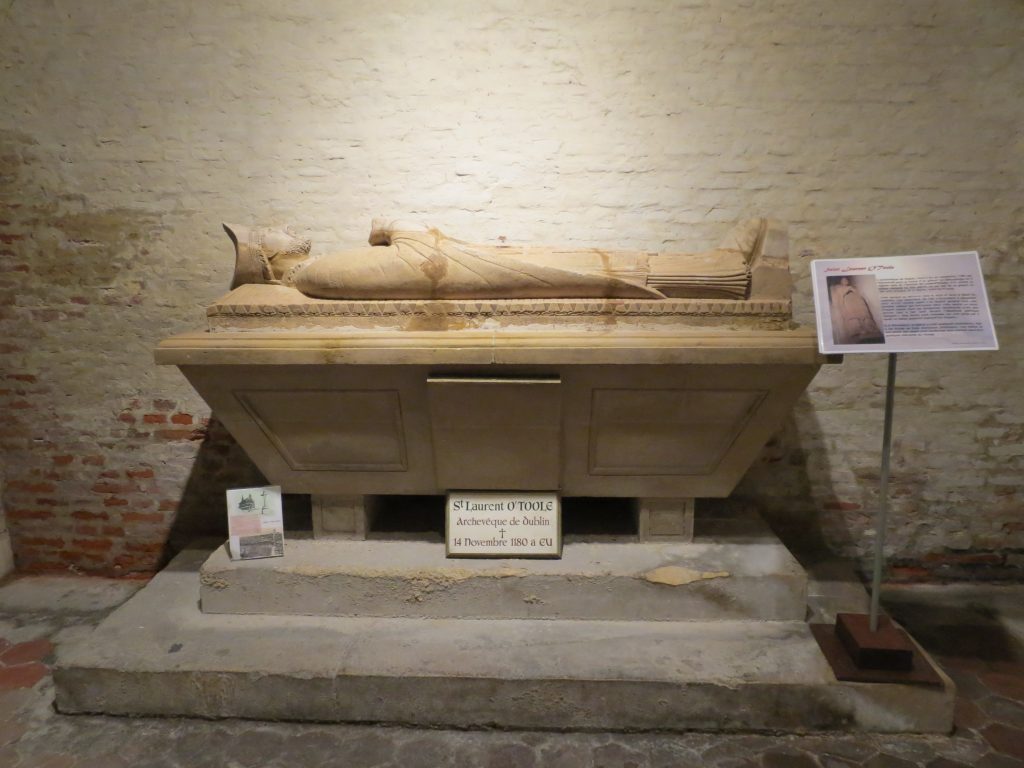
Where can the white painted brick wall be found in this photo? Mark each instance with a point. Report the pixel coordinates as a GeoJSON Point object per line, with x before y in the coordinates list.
{"type": "Point", "coordinates": [131, 130]}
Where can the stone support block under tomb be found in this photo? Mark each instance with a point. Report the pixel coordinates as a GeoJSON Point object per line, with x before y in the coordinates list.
{"type": "Point", "coordinates": [713, 579]}
{"type": "Point", "coordinates": [159, 654]}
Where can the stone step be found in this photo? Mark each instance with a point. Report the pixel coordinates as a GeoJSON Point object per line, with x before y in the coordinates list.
{"type": "Point", "coordinates": [715, 580]}
{"type": "Point", "coordinates": [160, 655]}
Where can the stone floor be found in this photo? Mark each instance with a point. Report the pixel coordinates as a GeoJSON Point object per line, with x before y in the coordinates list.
{"type": "Point", "coordinates": [977, 634]}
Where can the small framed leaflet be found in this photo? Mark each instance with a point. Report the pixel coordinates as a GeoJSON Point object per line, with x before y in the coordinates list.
{"type": "Point", "coordinates": [929, 303]}
{"type": "Point", "coordinates": [513, 524]}
{"type": "Point", "coordinates": [255, 523]}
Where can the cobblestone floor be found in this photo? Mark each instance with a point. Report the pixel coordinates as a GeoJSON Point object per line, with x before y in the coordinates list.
{"type": "Point", "coordinates": [967, 630]}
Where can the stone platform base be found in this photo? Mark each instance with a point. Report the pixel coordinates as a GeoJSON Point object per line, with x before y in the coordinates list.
{"type": "Point", "coordinates": [160, 655]}
{"type": "Point", "coordinates": [623, 582]}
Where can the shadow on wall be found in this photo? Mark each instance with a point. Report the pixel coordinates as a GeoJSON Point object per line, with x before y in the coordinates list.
{"type": "Point", "coordinates": [779, 487]}
{"type": "Point", "coordinates": [221, 464]}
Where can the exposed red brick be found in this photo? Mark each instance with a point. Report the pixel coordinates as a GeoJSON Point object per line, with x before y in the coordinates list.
{"type": "Point", "coordinates": [180, 434]}
{"type": "Point", "coordinates": [110, 473]}
{"type": "Point", "coordinates": [94, 544]}
{"type": "Point", "coordinates": [77, 559]}
{"type": "Point", "coordinates": [30, 487]}
{"type": "Point", "coordinates": [79, 300]}
{"type": "Point", "coordinates": [86, 530]}
{"type": "Point", "coordinates": [71, 556]}
{"type": "Point", "coordinates": [142, 472]}
{"type": "Point", "coordinates": [127, 417]}
{"type": "Point", "coordinates": [30, 650]}
{"type": "Point", "coordinates": [908, 573]}
{"type": "Point", "coordinates": [144, 546]}
{"type": "Point", "coordinates": [41, 541]}
{"type": "Point", "coordinates": [22, 676]}
{"type": "Point", "coordinates": [113, 530]}
{"type": "Point", "coordinates": [26, 377]}
{"type": "Point", "coordinates": [29, 557]}
{"type": "Point", "coordinates": [82, 514]}
{"type": "Point", "coordinates": [168, 505]}
{"type": "Point", "coordinates": [142, 517]}
{"type": "Point", "coordinates": [107, 487]}
{"type": "Point", "coordinates": [182, 418]}
{"type": "Point", "coordinates": [63, 461]}
{"type": "Point", "coordinates": [115, 501]}
{"type": "Point", "coordinates": [964, 558]}
{"type": "Point", "coordinates": [20, 405]}
{"type": "Point", "coordinates": [28, 514]}
{"type": "Point", "coordinates": [155, 418]}
{"type": "Point", "coordinates": [93, 461]}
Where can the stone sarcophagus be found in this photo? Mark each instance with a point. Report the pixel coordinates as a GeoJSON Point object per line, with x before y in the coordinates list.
{"type": "Point", "coordinates": [419, 365]}
{"type": "Point", "coordinates": [422, 364]}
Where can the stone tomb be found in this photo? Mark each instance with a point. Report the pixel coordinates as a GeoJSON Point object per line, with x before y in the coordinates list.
{"type": "Point", "coordinates": [654, 400]}
{"type": "Point", "coordinates": [663, 396]}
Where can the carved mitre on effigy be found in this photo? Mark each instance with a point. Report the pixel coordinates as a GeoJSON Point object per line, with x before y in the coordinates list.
{"type": "Point", "coordinates": [408, 262]}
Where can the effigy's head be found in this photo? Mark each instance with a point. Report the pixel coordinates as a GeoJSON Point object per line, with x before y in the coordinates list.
{"type": "Point", "coordinates": [266, 254]}
{"type": "Point", "coordinates": [282, 242]}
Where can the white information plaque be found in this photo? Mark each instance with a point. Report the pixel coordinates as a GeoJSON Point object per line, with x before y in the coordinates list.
{"type": "Point", "coordinates": [503, 524]}
{"type": "Point", "coordinates": [255, 523]}
{"type": "Point", "coordinates": [930, 303]}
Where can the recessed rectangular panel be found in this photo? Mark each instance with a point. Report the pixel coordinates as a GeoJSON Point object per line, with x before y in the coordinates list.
{"type": "Point", "coordinates": [332, 430]}
{"type": "Point", "coordinates": [665, 431]}
{"type": "Point", "coordinates": [496, 434]}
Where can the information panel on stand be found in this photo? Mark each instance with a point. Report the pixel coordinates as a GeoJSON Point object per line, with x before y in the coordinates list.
{"type": "Point", "coordinates": [929, 303]}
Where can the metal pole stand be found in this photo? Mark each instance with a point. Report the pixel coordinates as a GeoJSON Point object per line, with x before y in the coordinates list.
{"type": "Point", "coordinates": [872, 649]}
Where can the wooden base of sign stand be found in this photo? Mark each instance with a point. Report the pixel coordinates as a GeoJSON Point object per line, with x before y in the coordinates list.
{"type": "Point", "coordinates": [887, 648]}
{"type": "Point", "coordinates": [887, 655]}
